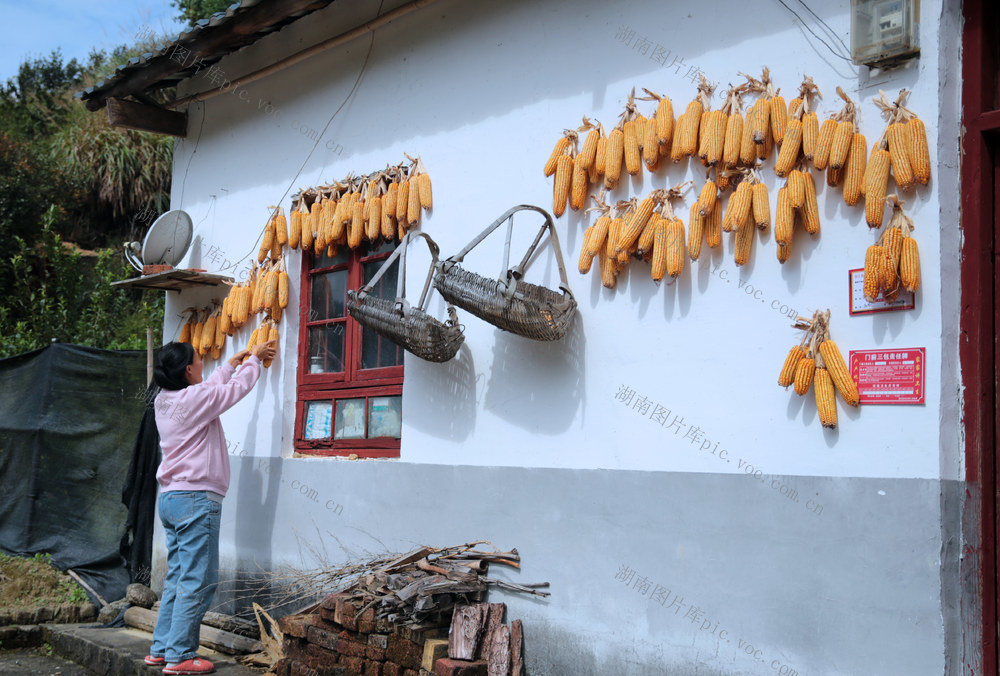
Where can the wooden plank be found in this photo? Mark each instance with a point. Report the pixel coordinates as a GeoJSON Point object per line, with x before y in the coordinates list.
{"type": "Point", "coordinates": [467, 624]}
{"type": "Point", "coordinates": [494, 619]}
{"type": "Point", "coordinates": [210, 637]}
{"type": "Point", "coordinates": [231, 624]}
{"type": "Point", "coordinates": [517, 648]}
{"type": "Point", "coordinates": [131, 115]}
{"type": "Point", "coordinates": [498, 652]}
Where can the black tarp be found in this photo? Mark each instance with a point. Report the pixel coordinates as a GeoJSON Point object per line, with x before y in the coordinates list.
{"type": "Point", "coordinates": [69, 421]}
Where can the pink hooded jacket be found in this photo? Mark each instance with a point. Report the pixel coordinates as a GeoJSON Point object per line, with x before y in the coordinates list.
{"type": "Point", "coordinates": [194, 446]}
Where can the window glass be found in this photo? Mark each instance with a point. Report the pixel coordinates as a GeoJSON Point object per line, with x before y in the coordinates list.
{"type": "Point", "coordinates": [384, 416]}
{"type": "Point", "coordinates": [324, 261]}
{"type": "Point", "coordinates": [350, 419]}
{"type": "Point", "coordinates": [329, 292]}
{"type": "Point", "coordinates": [318, 418]}
{"type": "Point", "coordinates": [376, 351]}
{"type": "Point", "coordinates": [326, 348]}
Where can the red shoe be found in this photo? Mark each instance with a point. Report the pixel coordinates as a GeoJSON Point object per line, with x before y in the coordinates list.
{"type": "Point", "coordinates": [155, 661]}
{"type": "Point", "coordinates": [193, 666]}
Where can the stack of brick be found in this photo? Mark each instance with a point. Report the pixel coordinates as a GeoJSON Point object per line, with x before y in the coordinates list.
{"type": "Point", "coordinates": [339, 640]}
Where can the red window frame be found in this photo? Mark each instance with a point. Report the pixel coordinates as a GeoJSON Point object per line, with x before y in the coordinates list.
{"type": "Point", "coordinates": [354, 382]}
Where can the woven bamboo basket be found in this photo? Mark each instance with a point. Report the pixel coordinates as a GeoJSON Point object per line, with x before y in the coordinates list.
{"type": "Point", "coordinates": [508, 302]}
{"type": "Point", "coordinates": [409, 327]}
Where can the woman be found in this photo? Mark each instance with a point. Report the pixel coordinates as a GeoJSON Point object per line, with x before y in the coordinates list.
{"type": "Point", "coordinates": [193, 478]}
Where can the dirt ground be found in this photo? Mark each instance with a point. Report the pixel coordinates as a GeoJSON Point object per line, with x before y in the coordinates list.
{"type": "Point", "coordinates": [28, 584]}
{"type": "Point", "coordinates": [37, 661]}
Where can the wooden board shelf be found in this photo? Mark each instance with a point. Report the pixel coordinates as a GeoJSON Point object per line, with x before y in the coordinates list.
{"type": "Point", "coordinates": [173, 280]}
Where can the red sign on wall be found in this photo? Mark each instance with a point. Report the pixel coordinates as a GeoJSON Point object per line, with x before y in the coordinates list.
{"type": "Point", "coordinates": [889, 376]}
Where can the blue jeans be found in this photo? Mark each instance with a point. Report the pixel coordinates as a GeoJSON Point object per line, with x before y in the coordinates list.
{"type": "Point", "coordinates": [191, 521]}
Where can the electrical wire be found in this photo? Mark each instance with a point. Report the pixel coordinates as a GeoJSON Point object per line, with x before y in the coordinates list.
{"type": "Point", "coordinates": [829, 30]}
{"type": "Point", "coordinates": [814, 34]}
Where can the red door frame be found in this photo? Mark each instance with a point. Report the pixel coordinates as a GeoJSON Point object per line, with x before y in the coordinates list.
{"type": "Point", "coordinates": [978, 345]}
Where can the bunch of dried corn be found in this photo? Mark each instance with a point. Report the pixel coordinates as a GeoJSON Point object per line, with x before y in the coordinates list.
{"type": "Point", "coordinates": [668, 245]}
{"type": "Point", "coordinates": [802, 108]}
{"type": "Point", "coordinates": [705, 222]}
{"type": "Point", "coordinates": [266, 331]}
{"type": "Point", "coordinates": [691, 121]}
{"type": "Point", "coordinates": [801, 125]}
{"type": "Point", "coordinates": [659, 135]}
{"type": "Point", "coordinates": [894, 262]}
{"type": "Point", "coordinates": [560, 164]}
{"type": "Point", "coordinates": [818, 363]}
{"type": "Point", "coordinates": [732, 109]}
{"type": "Point", "coordinates": [797, 198]}
{"type": "Point", "coordinates": [765, 124]}
{"type": "Point", "coordinates": [905, 139]}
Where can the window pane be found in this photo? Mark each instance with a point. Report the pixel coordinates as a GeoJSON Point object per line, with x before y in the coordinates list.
{"type": "Point", "coordinates": [326, 348]}
{"type": "Point", "coordinates": [350, 422]}
{"type": "Point", "coordinates": [376, 351]}
{"type": "Point", "coordinates": [384, 416]}
{"type": "Point", "coordinates": [324, 261]}
{"type": "Point", "coordinates": [329, 292]}
{"type": "Point", "coordinates": [318, 418]}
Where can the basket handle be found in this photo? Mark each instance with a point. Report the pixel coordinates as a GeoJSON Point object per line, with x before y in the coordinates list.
{"type": "Point", "coordinates": [512, 275]}
{"type": "Point", "coordinates": [400, 252]}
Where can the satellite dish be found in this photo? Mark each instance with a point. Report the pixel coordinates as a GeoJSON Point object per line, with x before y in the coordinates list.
{"type": "Point", "coordinates": [168, 239]}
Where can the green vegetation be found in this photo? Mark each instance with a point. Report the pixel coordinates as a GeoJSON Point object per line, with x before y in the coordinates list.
{"type": "Point", "coordinates": [31, 583]}
{"type": "Point", "coordinates": [192, 10]}
{"type": "Point", "coordinates": [72, 189]}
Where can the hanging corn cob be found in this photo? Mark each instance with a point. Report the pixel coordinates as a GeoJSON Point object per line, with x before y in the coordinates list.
{"type": "Point", "coordinates": [758, 119]}
{"type": "Point", "coordinates": [802, 108]}
{"type": "Point", "coordinates": [893, 263]}
{"type": "Point", "coordinates": [688, 127]}
{"type": "Point", "coordinates": [733, 110]}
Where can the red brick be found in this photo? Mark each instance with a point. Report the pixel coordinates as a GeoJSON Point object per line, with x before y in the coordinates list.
{"type": "Point", "coordinates": [344, 613]}
{"type": "Point", "coordinates": [296, 625]}
{"type": "Point", "coordinates": [354, 665]}
{"type": "Point", "coordinates": [299, 669]}
{"type": "Point", "coordinates": [351, 648]}
{"type": "Point", "coordinates": [366, 621]}
{"type": "Point", "coordinates": [282, 667]}
{"type": "Point", "coordinates": [378, 641]}
{"type": "Point", "coordinates": [323, 638]}
{"type": "Point", "coordinates": [392, 669]}
{"type": "Point", "coordinates": [410, 672]}
{"type": "Point", "coordinates": [405, 653]}
{"type": "Point", "coordinates": [352, 636]}
{"type": "Point", "coordinates": [330, 602]}
{"type": "Point", "coordinates": [373, 669]}
{"type": "Point", "coordinates": [375, 653]}
{"type": "Point", "coordinates": [328, 615]}
{"type": "Point", "coordinates": [449, 667]}
{"type": "Point", "coordinates": [320, 658]}
{"type": "Point", "coordinates": [295, 649]}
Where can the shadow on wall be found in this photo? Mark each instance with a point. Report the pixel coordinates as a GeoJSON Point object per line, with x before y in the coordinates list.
{"type": "Point", "coordinates": [538, 386]}
{"type": "Point", "coordinates": [445, 406]}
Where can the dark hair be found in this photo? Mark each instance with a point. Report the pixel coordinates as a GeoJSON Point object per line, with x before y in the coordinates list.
{"type": "Point", "coordinates": [171, 362]}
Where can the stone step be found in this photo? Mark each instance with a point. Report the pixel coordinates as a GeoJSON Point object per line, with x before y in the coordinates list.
{"type": "Point", "coordinates": [120, 651]}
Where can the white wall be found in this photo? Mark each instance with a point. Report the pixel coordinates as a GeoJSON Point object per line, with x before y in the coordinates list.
{"type": "Point", "coordinates": [481, 93]}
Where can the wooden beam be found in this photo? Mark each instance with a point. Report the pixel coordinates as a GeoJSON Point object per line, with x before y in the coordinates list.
{"type": "Point", "coordinates": [210, 637]}
{"type": "Point", "coordinates": [146, 118]}
{"type": "Point", "coordinates": [210, 43]}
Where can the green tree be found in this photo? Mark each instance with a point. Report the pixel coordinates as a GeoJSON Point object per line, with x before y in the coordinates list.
{"type": "Point", "coordinates": [193, 10]}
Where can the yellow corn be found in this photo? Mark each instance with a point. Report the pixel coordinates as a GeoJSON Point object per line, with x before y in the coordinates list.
{"type": "Point", "coordinates": [388, 226]}
{"type": "Point", "coordinates": [614, 154]}
{"type": "Point", "coordinates": [413, 202]}
{"type": "Point", "coordinates": [804, 372]}
{"type": "Point", "coordinates": [342, 214]}
{"type": "Point", "coordinates": [561, 146]}
{"type": "Point", "coordinates": [402, 202]}
{"type": "Point", "coordinates": [609, 274]}
{"type": "Point", "coordinates": [784, 252]}
{"type": "Point", "coordinates": [744, 243]}
{"type": "Point", "coordinates": [888, 273]}
{"type": "Point", "coordinates": [696, 227]}
{"type": "Point", "coordinates": [810, 208]}
{"type": "Point", "coordinates": [761, 205]}
{"type": "Point", "coordinates": [660, 247]}
{"type": "Point", "coordinates": [266, 242]}
{"type": "Point", "coordinates": [739, 208]}
{"type": "Point", "coordinates": [675, 247]}
{"type": "Point", "coordinates": [826, 402]}
{"type": "Point", "coordinates": [389, 200]}
{"type": "Point", "coordinates": [748, 149]}
{"type": "Point", "coordinates": [824, 144]}
{"type": "Point", "coordinates": [764, 149]}
{"type": "Point", "coordinates": [793, 106]}
{"type": "Point", "coordinates": [784, 219]}
{"type": "Point", "coordinates": [921, 164]}
{"type": "Point", "coordinates": [635, 225]}
{"type": "Point", "coordinates": [208, 335]}
{"type": "Point", "coordinates": [724, 180]}
{"type": "Point", "coordinates": [373, 226]}
{"type": "Point", "coordinates": [599, 236]}
{"type": "Point", "coordinates": [834, 362]}
{"type": "Point", "coordinates": [854, 171]}
{"type": "Point", "coordinates": [270, 287]}
{"type": "Point", "coordinates": [841, 144]}
{"type": "Point", "coordinates": [614, 232]}
{"type": "Point", "coordinates": [579, 183]}
{"type": "Point", "coordinates": [687, 129]}
{"type": "Point", "coordinates": [708, 198]}
{"type": "Point", "coordinates": [892, 242]}
{"type": "Point", "coordinates": [586, 258]}
{"type": "Point", "coordinates": [713, 228]}
{"type": "Point", "coordinates": [633, 160]}
{"type": "Point", "coordinates": [712, 137]}
{"type": "Point", "coordinates": [873, 261]}
{"type": "Point", "coordinates": [589, 151]}
{"type": "Point", "coordinates": [761, 121]}
{"type": "Point", "coordinates": [356, 232]}
{"type": "Point", "coordinates": [789, 153]}
{"type": "Point", "coordinates": [426, 197]}
{"type": "Point", "coordinates": [295, 230]}
{"type": "Point", "coordinates": [810, 134]}
{"type": "Point", "coordinates": [734, 135]}
{"type": "Point", "coordinates": [645, 244]}
{"type": "Point", "coordinates": [651, 147]}
{"type": "Point", "coordinates": [600, 155]}
{"type": "Point", "coordinates": [834, 177]}
{"type": "Point", "coordinates": [560, 187]}
{"type": "Point", "coordinates": [901, 169]}
{"type": "Point", "coordinates": [796, 189]}
{"type": "Point", "coordinates": [779, 119]}
{"type": "Point", "coordinates": [224, 324]}
{"type": "Point", "coordinates": [281, 227]}
{"type": "Point", "coordinates": [664, 122]}
{"type": "Point", "coordinates": [909, 265]}
{"type": "Point", "coordinates": [787, 375]}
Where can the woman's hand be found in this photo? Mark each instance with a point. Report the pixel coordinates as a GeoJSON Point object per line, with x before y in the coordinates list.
{"type": "Point", "coordinates": [238, 358]}
{"type": "Point", "coordinates": [265, 351]}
